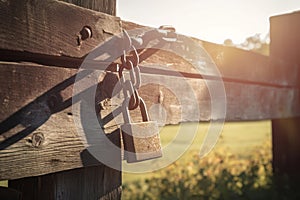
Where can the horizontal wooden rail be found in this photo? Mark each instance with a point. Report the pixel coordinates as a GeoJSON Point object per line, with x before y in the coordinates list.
{"type": "Point", "coordinates": [53, 27]}
{"type": "Point", "coordinates": [34, 106]}
{"type": "Point", "coordinates": [233, 64]}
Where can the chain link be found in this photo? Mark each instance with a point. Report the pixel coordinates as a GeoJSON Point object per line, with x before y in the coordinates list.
{"type": "Point", "coordinates": [130, 62]}
{"type": "Point", "coordinates": [131, 86]}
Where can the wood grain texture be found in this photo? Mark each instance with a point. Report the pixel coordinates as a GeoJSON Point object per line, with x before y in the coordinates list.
{"type": "Point", "coordinates": [105, 6]}
{"type": "Point", "coordinates": [33, 105]}
{"type": "Point", "coordinates": [177, 99]}
{"type": "Point", "coordinates": [243, 101]}
{"type": "Point", "coordinates": [286, 155]}
{"type": "Point", "coordinates": [234, 64]}
{"type": "Point", "coordinates": [52, 27]}
{"type": "Point", "coordinates": [246, 66]}
{"type": "Point", "coordinates": [37, 128]}
{"type": "Point", "coordinates": [284, 34]}
{"type": "Point", "coordinates": [38, 131]}
{"type": "Point", "coordinates": [90, 183]}
{"type": "Point", "coordinates": [285, 47]}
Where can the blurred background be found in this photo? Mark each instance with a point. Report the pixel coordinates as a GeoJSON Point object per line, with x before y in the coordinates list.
{"type": "Point", "coordinates": [240, 166]}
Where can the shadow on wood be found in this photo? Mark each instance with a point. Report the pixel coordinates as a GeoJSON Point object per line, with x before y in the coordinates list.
{"type": "Point", "coordinates": [10, 194]}
{"type": "Point", "coordinates": [36, 113]}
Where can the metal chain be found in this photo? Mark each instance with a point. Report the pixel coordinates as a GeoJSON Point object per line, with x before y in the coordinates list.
{"type": "Point", "coordinates": [131, 62]}
{"type": "Point", "coordinates": [131, 86]}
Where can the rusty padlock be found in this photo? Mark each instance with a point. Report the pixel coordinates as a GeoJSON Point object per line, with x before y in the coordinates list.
{"type": "Point", "coordinates": [141, 139]}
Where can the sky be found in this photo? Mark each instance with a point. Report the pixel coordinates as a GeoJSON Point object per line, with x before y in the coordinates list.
{"type": "Point", "coordinates": [210, 20]}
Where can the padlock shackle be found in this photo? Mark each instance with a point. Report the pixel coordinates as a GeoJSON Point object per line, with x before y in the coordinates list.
{"type": "Point", "coordinates": [125, 111]}
{"type": "Point", "coordinates": [143, 109]}
{"type": "Point", "coordinates": [144, 112]}
{"type": "Point", "coordinates": [128, 87]}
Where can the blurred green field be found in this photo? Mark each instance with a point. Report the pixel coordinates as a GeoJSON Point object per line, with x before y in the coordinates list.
{"type": "Point", "coordinates": [239, 138]}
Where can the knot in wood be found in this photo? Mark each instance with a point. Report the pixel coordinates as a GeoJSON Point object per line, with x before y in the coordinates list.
{"type": "Point", "coordinates": [37, 139]}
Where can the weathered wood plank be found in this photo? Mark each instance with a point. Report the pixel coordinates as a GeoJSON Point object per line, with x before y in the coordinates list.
{"type": "Point", "coordinates": [182, 97]}
{"type": "Point", "coordinates": [105, 6]}
{"type": "Point", "coordinates": [285, 40]}
{"type": "Point", "coordinates": [52, 27]}
{"type": "Point", "coordinates": [235, 65]}
{"type": "Point", "coordinates": [24, 27]}
{"type": "Point", "coordinates": [246, 66]}
{"type": "Point", "coordinates": [33, 107]}
{"type": "Point", "coordinates": [42, 28]}
{"type": "Point", "coordinates": [97, 182]}
{"type": "Point", "coordinates": [286, 154]}
{"type": "Point", "coordinates": [37, 130]}
{"type": "Point", "coordinates": [21, 85]}
{"type": "Point", "coordinates": [285, 47]}
{"type": "Point", "coordinates": [35, 100]}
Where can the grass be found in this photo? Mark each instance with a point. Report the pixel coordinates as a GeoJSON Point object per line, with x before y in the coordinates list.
{"type": "Point", "coordinates": [239, 167]}
{"type": "Point", "coordinates": [3, 183]}
{"type": "Point", "coordinates": [240, 138]}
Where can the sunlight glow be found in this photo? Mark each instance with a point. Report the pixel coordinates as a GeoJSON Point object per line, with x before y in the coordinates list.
{"type": "Point", "coordinates": [214, 20]}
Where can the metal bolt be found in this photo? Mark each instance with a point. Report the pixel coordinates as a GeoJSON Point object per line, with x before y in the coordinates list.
{"type": "Point", "coordinates": [86, 33]}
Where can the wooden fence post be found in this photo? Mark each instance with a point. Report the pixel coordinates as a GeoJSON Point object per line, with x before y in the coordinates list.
{"type": "Point", "coordinates": [284, 50]}
{"type": "Point", "coordinates": [97, 182]}
{"type": "Point", "coordinates": [92, 181]}
{"type": "Point", "coordinates": [286, 150]}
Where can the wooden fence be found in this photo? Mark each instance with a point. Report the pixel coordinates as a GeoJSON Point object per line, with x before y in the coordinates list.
{"type": "Point", "coordinates": [42, 48]}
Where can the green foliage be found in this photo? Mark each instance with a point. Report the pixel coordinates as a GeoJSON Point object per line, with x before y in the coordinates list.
{"type": "Point", "coordinates": [220, 175]}
{"type": "Point", "coordinates": [256, 43]}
